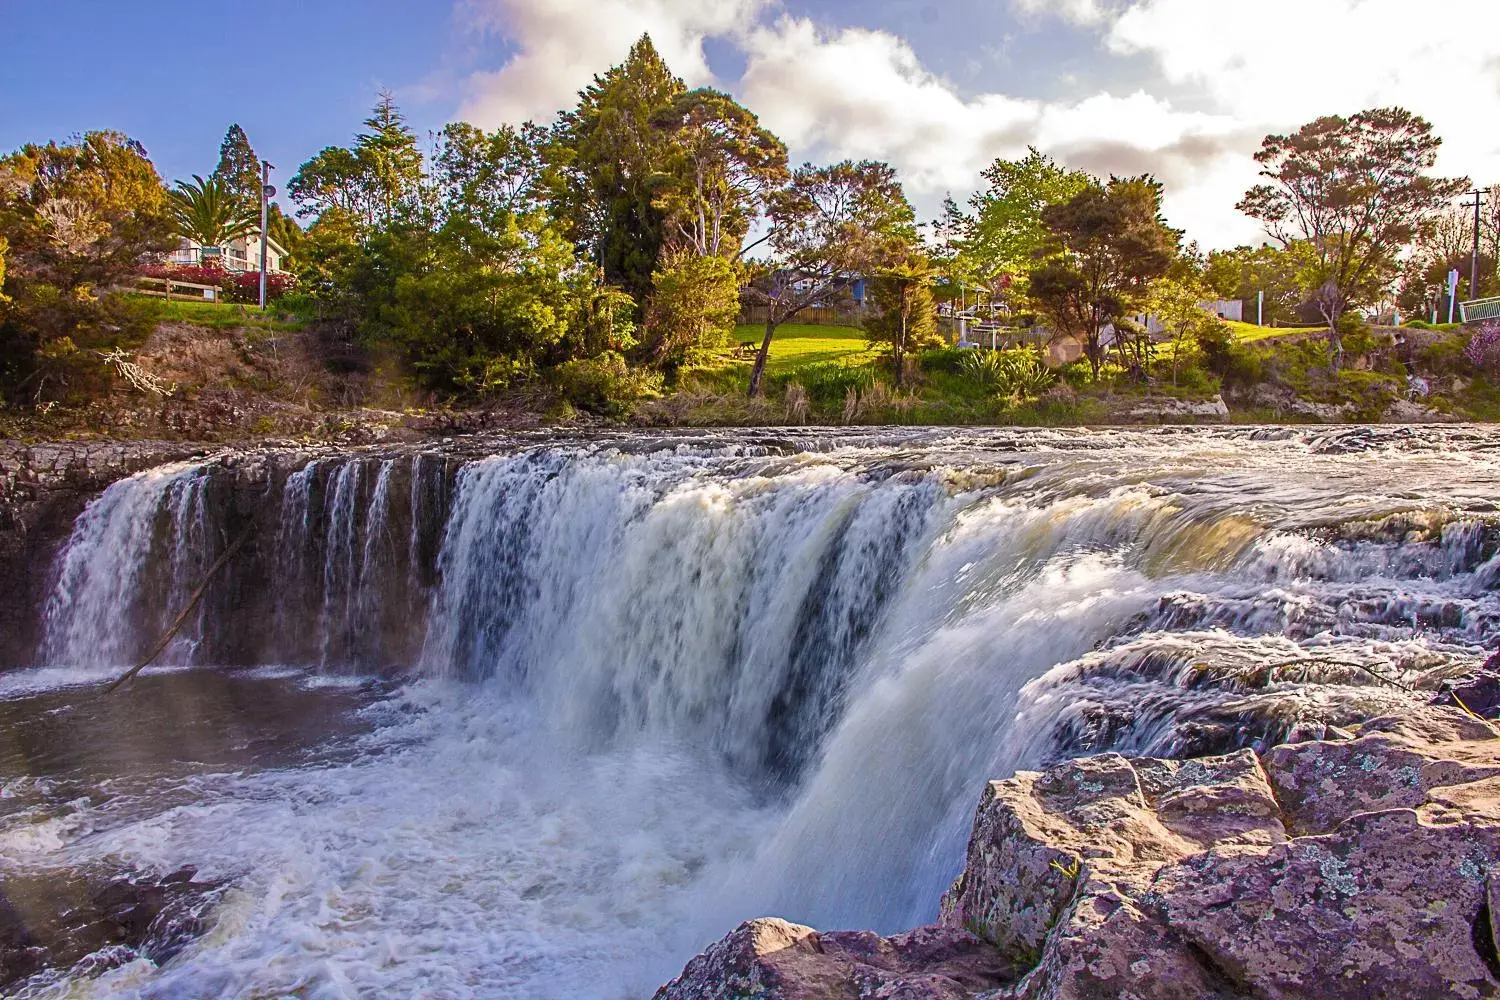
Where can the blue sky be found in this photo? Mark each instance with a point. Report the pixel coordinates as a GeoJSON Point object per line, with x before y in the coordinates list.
{"type": "Point", "coordinates": [1183, 88]}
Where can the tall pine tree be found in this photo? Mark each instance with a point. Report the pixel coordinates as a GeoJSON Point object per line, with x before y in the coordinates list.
{"type": "Point", "coordinates": [239, 167]}
{"type": "Point", "coordinates": [610, 153]}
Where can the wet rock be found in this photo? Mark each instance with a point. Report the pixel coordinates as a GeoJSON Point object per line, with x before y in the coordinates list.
{"type": "Point", "coordinates": [59, 920]}
{"type": "Point", "coordinates": [1477, 691]}
{"type": "Point", "coordinates": [1322, 870]}
{"type": "Point", "coordinates": [771, 959]}
{"type": "Point", "coordinates": [1169, 409]}
{"type": "Point", "coordinates": [1344, 869]}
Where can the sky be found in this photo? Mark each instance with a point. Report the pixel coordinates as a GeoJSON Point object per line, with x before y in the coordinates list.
{"type": "Point", "coordinates": [1185, 89]}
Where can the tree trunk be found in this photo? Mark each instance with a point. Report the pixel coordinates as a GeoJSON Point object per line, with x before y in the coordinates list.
{"type": "Point", "coordinates": [900, 346]}
{"type": "Point", "coordinates": [757, 372]}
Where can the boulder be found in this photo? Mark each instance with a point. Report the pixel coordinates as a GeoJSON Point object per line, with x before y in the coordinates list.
{"type": "Point", "coordinates": [1346, 869]}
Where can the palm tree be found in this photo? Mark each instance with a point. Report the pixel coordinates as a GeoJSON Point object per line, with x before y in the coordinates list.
{"type": "Point", "coordinates": [207, 213]}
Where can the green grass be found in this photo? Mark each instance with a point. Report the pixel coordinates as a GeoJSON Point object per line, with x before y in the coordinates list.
{"type": "Point", "coordinates": [798, 345]}
{"type": "Point", "coordinates": [1247, 333]}
{"type": "Point", "coordinates": [218, 315]}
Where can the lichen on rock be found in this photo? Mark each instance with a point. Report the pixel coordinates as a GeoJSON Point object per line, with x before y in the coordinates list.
{"type": "Point", "coordinates": [1348, 868]}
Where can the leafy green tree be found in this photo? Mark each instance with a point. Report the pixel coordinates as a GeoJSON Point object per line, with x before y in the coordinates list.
{"type": "Point", "coordinates": [208, 213]}
{"type": "Point", "coordinates": [371, 183]}
{"type": "Point", "coordinates": [78, 217]}
{"type": "Point", "coordinates": [1008, 231]}
{"type": "Point", "coordinates": [1243, 272]}
{"type": "Point", "coordinates": [694, 303]}
{"type": "Point", "coordinates": [829, 227]}
{"type": "Point", "coordinates": [487, 175]}
{"type": "Point", "coordinates": [1356, 191]}
{"type": "Point", "coordinates": [239, 168]}
{"type": "Point", "coordinates": [609, 158]}
{"type": "Point", "coordinates": [1177, 304]}
{"type": "Point", "coordinates": [721, 165]}
{"type": "Point", "coordinates": [907, 320]}
{"type": "Point", "coordinates": [1106, 245]}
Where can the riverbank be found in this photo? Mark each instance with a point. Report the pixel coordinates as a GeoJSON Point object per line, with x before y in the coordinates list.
{"type": "Point", "coordinates": [227, 383]}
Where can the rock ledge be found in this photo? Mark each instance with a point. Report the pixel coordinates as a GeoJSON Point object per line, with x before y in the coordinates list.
{"type": "Point", "coordinates": [1357, 868]}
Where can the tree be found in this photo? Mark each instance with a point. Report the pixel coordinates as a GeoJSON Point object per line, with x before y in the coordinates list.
{"type": "Point", "coordinates": [1355, 191]}
{"type": "Point", "coordinates": [1245, 272]}
{"type": "Point", "coordinates": [694, 303]}
{"type": "Point", "coordinates": [206, 212]}
{"type": "Point", "coordinates": [829, 226]}
{"type": "Point", "coordinates": [609, 156]}
{"type": "Point", "coordinates": [1177, 304]}
{"type": "Point", "coordinates": [239, 168]}
{"type": "Point", "coordinates": [1007, 230]}
{"type": "Point", "coordinates": [372, 182]}
{"type": "Point", "coordinates": [908, 319]}
{"type": "Point", "coordinates": [1105, 246]}
{"type": "Point", "coordinates": [78, 217]}
{"type": "Point", "coordinates": [487, 175]}
{"type": "Point", "coordinates": [721, 166]}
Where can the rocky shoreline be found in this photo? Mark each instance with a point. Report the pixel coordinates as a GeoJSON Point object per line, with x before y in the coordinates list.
{"type": "Point", "coordinates": [1362, 866]}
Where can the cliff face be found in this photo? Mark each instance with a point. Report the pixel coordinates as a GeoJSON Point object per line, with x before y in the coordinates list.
{"type": "Point", "coordinates": [42, 489]}
{"type": "Point", "coordinates": [1351, 868]}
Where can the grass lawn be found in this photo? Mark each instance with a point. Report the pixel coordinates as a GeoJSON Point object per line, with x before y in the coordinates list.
{"type": "Point", "coordinates": [797, 345]}
{"type": "Point", "coordinates": [1248, 332]}
{"type": "Point", "coordinates": [212, 314]}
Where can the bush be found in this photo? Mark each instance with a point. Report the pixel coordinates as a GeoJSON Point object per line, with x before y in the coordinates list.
{"type": "Point", "coordinates": [948, 360]}
{"type": "Point", "coordinates": [604, 385]}
{"type": "Point", "coordinates": [242, 286]}
{"type": "Point", "coordinates": [1483, 351]}
{"type": "Point", "coordinates": [1235, 363]}
{"type": "Point", "coordinates": [1020, 372]}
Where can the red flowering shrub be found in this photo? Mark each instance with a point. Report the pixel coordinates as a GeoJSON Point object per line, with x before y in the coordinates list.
{"type": "Point", "coordinates": [247, 286]}
{"type": "Point", "coordinates": [242, 286]}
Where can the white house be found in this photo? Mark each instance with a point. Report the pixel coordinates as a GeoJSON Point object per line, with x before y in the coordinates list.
{"type": "Point", "coordinates": [240, 254]}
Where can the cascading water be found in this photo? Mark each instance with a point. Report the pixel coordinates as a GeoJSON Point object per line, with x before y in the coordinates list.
{"type": "Point", "coordinates": [639, 690]}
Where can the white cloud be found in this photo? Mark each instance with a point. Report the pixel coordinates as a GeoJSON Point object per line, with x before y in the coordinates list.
{"type": "Point", "coordinates": [853, 92]}
{"type": "Point", "coordinates": [859, 93]}
{"type": "Point", "coordinates": [561, 44]}
{"type": "Point", "coordinates": [1280, 63]}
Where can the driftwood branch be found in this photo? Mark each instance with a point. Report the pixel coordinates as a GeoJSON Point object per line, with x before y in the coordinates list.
{"type": "Point", "coordinates": [192, 603]}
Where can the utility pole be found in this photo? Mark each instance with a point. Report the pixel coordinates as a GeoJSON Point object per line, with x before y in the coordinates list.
{"type": "Point", "coordinates": [1478, 197]}
{"type": "Point", "coordinates": [267, 192]}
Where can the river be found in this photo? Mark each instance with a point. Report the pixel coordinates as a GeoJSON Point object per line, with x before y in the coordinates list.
{"type": "Point", "coordinates": [544, 722]}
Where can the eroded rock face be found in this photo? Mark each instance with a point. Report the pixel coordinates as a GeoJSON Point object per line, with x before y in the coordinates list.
{"type": "Point", "coordinates": [771, 959]}
{"type": "Point", "coordinates": [43, 487]}
{"type": "Point", "coordinates": [1347, 868]}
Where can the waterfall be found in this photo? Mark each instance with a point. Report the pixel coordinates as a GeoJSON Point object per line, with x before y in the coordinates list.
{"type": "Point", "coordinates": [134, 555]}
{"type": "Point", "coordinates": [849, 633]}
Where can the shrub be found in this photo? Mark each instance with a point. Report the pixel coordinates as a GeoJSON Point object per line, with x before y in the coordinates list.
{"type": "Point", "coordinates": [604, 385]}
{"type": "Point", "coordinates": [1020, 372]}
{"type": "Point", "coordinates": [1483, 351]}
{"type": "Point", "coordinates": [1226, 357]}
{"type": "Point", "coordinates": [243, 286]}
{"type": "Point", "coordinates": [945, 359]}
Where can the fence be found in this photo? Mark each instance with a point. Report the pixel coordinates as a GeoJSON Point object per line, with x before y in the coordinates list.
{"type": "Point", "coordinates": [820, 316]}
{"type": "Point", "coordinates": [198, 293]}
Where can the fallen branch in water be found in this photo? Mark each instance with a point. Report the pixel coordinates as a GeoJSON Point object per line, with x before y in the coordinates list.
{"type": "Point", "coordinates": [1383, 679]}
{"type": "Point", "coordinates": [192, 603]}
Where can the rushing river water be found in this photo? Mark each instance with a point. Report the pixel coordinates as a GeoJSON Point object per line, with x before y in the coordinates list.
{"type": "Point", "coordinates": [543, 724]}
